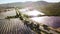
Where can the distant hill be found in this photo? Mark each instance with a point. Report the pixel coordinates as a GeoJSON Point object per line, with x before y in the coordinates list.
{"type": "Point", "coordinates": [27, 4]}
{"type": "Point", "coordinates": [17, 4]}
{"type": "Point", "coordinates": [45, 7]}
{"type": "Point", "coordinates": [23, 4]}
{"type": "Point", "coordinates": [51, 9]}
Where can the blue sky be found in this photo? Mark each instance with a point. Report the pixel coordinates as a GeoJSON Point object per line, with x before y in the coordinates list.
{"type": "Point", "coordinates": [10, 1]}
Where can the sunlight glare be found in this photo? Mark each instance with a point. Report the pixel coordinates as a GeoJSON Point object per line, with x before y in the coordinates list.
{"type": "Point", "coordinates": [34, 13]}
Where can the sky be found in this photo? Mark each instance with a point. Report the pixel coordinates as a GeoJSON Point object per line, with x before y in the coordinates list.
{"type": "Point", "coordinates": [52, 0]}
{"type": "Point", "coordinates": [10, 1]}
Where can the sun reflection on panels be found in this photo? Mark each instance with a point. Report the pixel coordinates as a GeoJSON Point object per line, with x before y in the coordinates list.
{"type": "Point", "coordinates": [32, 13]}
